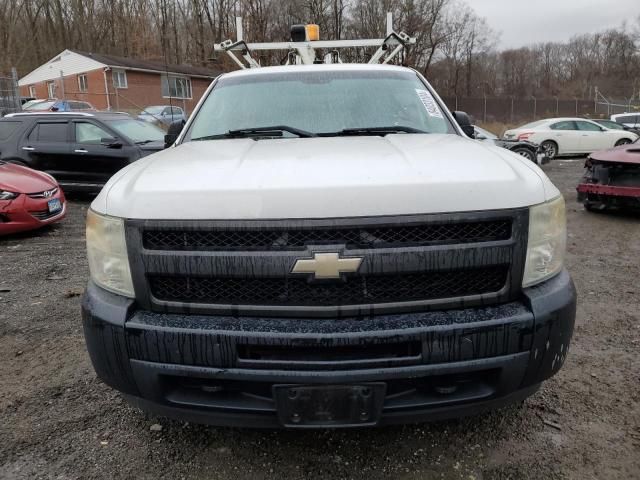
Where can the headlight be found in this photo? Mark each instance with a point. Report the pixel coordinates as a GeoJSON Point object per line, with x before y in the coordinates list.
{"type": "Point", "coordinates": [5, 195]}
{"type": "Point", "coordinates": [107, 254]}
{"type": "Point", "coordinates": [547, 242]}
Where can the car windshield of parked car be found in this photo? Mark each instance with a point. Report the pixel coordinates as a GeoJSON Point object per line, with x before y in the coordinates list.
{"type": "Point", "coordinates": [156, 110]}
{"type": "Point", "coordinates": [31, 103]}
{"type": "Point", "coordinates": [486, 134]}
{"type": "Point", "coordinates": [320, 102]}
{"type": "Point", "coordinates": [611, 125]}
{"type": "Point", "coordinates": [539, 123]}
{"type": "Point", "coordinates": [40, 106]}
{"type": "Point", "coordinates": [137, 131]}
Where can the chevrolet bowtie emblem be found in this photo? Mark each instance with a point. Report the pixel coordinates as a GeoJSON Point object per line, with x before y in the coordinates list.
{"type": "Point", "coordinates": [327, 265]}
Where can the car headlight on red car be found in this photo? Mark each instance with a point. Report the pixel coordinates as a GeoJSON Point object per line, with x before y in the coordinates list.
{"type": "Point", "coordinates": [6, 195]}
{"type": "Point", "coordinates": [107, 254]}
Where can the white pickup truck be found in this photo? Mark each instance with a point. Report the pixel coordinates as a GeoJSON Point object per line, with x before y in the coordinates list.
{"type": "Point", "coordinates": [323, 246]}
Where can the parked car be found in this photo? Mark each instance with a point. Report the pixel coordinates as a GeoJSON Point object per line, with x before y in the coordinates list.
{"type": "Point", "coordinates": [28, 199]}
{"type": "Point", "coordinates": [325, 246]}
{"type": "Point", "coordinates": [52, 105]}
{"type": "Point", "coordinates": [570, 136]}
{"type": "Point", "coordinates": [81, 150]}
{"type": "Point", "coordinates": [528, 150]}
{"type": "Point", "coordinates": [631, 120]}
{"type": "Point", "coordinates": [612, 179]}
{"type": "Point", "coordinates": [162, 114]}
{"type": "Point", "coordinates": [26, 105]}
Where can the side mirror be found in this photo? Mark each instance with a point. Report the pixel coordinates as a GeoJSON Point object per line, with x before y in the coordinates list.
{"type": "Point", "coordinates": [111, 142]}
{"type": "Point", "coordinates": [465, 123]}
{"type": "Point", "coordinates": [174, 132]}
{"type": "Point", "coordinates": [54, 109]}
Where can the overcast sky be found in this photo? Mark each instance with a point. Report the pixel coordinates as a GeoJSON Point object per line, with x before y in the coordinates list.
{"type": "Point", "coordinates": [525, 22]}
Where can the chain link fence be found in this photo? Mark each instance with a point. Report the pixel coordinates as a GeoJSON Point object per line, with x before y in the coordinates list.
{"type": "Point", "coordinates": [517, 111]}
{"type": "Point", "coordinates": [9, 95]}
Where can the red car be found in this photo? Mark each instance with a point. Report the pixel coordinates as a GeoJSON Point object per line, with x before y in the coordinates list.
{"type": "Point", "coordinates": [28, 199]}
{"type": "Point", "coordinates": [612, 179]}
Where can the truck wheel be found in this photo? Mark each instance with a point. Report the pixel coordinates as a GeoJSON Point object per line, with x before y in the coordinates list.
{"type": "Point", "coordinates": [623, 141]}
{"type": "Point", "coordinates": [551, 149]}
{"type": "Point", "coordinates": [526, 153]}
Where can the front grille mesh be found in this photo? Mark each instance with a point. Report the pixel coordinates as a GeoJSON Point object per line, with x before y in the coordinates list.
{"type": "Point", "coordinates": [290, 291]}
{"type": "Point", "coordinates": [44, 214]}
{"type": "Point", "coordinates": [365, 237]}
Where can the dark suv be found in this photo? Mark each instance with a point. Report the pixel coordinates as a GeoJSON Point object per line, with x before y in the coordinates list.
{"type": "Point", "coordinates": [81, 150]}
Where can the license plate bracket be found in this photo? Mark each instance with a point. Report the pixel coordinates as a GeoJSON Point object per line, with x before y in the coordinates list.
{"type": "Point", "coordinates": [318, 406]}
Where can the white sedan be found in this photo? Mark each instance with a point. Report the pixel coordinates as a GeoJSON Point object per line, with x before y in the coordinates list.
{"type": "Point", "coordinates": [570, 136]}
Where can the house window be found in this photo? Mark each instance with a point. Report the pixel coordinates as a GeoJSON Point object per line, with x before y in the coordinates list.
{"type": "Point", "coordinates": [176, 87]}
{"type": "Point", "coordinates": [51, 89]}
{"type": "Point", "coordinates": [83, 84]}
{"type": "Point", "coordinates": [32, 91]}
{"type": "Point", "coordinates": [120, 79]}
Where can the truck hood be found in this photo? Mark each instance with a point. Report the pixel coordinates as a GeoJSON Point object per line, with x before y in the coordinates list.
{"type": "Point", "coordinates": [323, 178]}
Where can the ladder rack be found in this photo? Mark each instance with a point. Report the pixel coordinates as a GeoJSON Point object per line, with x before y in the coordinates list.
{"type": "Point", "coordinates": [304, 53]}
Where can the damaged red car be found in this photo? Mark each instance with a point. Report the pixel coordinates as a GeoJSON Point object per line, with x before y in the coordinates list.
{"type": "Point", "coordinates": [612, 179]}
{"type": "Point", "coordinates": [28, 199]}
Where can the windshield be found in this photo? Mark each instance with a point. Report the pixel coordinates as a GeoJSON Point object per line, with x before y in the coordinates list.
{"type": "Point", "coordinates": [40, 106]}
{"type": "Point", "coordinates": [136, 130]}
{"type": "Point", "coordinates": [157, 110]}
{"type": "Point", "coordinates": [487, 134]}
{"type": "Point", "coordinates": [611, 125]}
{"type": "Point", "coordinates": [319, 102]}
{"type": "Point", "coordinates": [30, 103]}
{"type": "Point", "coordinates": [534, 124]}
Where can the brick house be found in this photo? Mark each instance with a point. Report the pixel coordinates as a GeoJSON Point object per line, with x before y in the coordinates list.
{"type": "Point", "coordinates": [117, 83]}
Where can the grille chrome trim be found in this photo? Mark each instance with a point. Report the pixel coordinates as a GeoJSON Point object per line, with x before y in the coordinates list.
{"type": "Point", "coordinates": [45, 194]}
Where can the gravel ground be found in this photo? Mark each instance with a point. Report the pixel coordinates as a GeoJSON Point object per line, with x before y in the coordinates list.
{"type": "Point", "coordinates": [58, 421]}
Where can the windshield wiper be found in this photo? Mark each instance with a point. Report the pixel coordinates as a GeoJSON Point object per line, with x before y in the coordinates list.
{"type": "Point", "coordinates": [275, 131]}
{"type": "Point", "coordinates": [373, 130]}
{"type": "Point", "coordinates": [144, 142]}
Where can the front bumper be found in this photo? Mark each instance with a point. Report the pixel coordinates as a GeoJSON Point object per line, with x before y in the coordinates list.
{"type": "Point", "coordinates": [21, 214]}
{"type": "Point", "coordinates": [223, 370]}
{"type": "Point", "coordinates": [585, 189]}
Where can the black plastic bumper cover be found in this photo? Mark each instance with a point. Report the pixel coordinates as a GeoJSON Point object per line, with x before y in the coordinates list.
{"type": "Point", "coordinates": [222, 370]}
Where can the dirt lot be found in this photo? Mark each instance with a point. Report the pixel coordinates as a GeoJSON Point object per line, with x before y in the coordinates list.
{"type": "Point", "coordinates": [58, 421]}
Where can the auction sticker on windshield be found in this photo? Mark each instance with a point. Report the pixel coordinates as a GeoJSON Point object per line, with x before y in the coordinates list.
{"type": "Point", "coordinates": [429, 103]}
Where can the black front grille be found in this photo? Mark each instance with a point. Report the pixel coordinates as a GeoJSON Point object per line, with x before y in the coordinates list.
{"type": "Point", "coordinates": [364, 237]}
{"type": "Point", "coordinates": [44, 214]}
{"type": "Point", "coordinates": [362, 290]}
